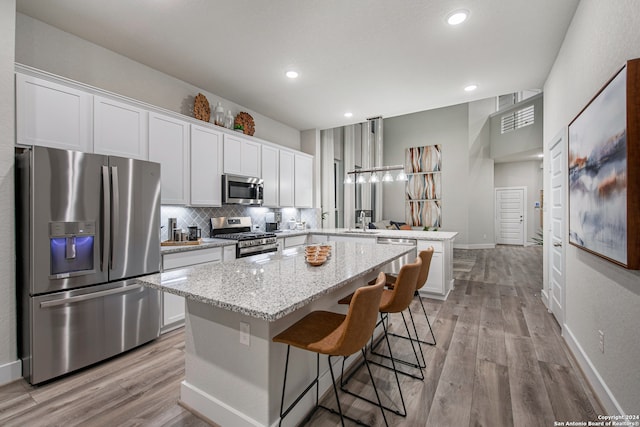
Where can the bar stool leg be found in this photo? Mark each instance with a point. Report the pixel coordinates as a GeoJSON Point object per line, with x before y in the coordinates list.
{"type": "Point", "coordinates": [428, 323]}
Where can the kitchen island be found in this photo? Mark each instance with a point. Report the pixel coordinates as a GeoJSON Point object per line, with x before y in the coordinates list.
{"type": "Point", "coordinates": [233, 371]}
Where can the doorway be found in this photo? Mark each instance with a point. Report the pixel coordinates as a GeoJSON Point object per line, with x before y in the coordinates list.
{"type": "Point", "coordinates": [511, 220]}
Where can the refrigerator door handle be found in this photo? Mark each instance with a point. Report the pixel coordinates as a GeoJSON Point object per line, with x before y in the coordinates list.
{"type": "Point", "coordinates": [115, 211]}
{"type": "Point", "coordinates": [85, 297]}
{"type": "Point", "coordinates": [106, 217]}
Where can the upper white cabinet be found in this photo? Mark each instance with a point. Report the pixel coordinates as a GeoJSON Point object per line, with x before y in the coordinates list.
{"type": "Point", "coordinates": [169, 146]}
{"type": "Point", "coordinates": [206, 166]}
{"type": "Point", "coordinates": [241, 156]}
{"type": "Point", "coordinates": [286, 178]}
{"type": "Point", "coordinates": [270, 175]}
{"type": "Point", "coordinates": [52, 115]}
{"type": "Point", "coordinates": [303, 183]}
{"type": "Point", "coordinates": [119, 129]}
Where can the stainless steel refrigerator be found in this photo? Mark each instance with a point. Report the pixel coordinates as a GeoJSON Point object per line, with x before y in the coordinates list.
{"type": "Point", "coordinates": [86, 225]}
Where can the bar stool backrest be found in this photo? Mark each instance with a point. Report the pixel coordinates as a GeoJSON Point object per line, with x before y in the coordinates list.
{"type": "Point", "coordinates": [426, 256]}
{"type": "Point", "coordinates": [358, 326]}
{"type": "Point", "coordinates": [404, 288]}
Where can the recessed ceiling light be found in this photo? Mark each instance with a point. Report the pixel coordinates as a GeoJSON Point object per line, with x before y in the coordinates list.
{"type": "Point", "coordinates": [348, 114]}
{"type": "Point", "coordinates": [457, 17]}
{"type": "Point", "coordinates": [292, 74]}
{"type": "Point", "coordinates": [470, 88]}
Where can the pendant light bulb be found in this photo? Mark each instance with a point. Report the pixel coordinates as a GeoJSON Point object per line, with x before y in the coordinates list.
{"type": "Point", "coordinates": [387, 177]}
{"type": "Point", "coordinates": [401, 176]}
{"type": "Point", "coordinates": [361, 179]}
{"type": "Point", "coordinates": [374, 178]}
{"type": "Point", "coordinates": [348, 180]}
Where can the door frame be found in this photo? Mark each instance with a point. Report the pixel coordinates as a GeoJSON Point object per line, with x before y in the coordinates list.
{"type": "Point", "coordinates": [547, 291]}
{"type": "Point", "coordinates": [524, 212]}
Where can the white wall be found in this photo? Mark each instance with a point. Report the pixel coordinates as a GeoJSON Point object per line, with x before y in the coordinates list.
{"type": "Point", "coordinates": [42, 46]}
{"type": "Point", "coordinates": [523, 174]}
{"type": "Point", "coordinates": [467, 170]}
{"type": "Point", "coordinates": [9, 368]}
{"type": "Point", "coordinates": [481, 209]}
{"type": "Point", "coordinates": [599, 295]}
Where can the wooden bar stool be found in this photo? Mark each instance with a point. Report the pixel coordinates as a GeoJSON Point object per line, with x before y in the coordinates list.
{"type": "Point", "coordinates": [394, 300]}
{"type": "Point", "coordinates": [334, 334]}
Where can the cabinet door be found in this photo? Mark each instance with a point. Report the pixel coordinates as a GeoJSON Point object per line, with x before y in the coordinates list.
{"type": "Point", "coordinates": [52, 115]}
{"type": "Point", "coordinates": [232, 155]}
{"type": "Point", "coordinates": [303, 181]}
{"type": "Point", "coordinates": [251, 158]}
{"type": "Point", "coordinates": [270, 175]}
{"type": "Point", "coordinates": [119, 129]}
{"type": "Point", "coordinates": [206, 166]}
{"type": "Point", "coordinates": [290, 242]}
{"type": "Point", "coordinates": [241, 156]}
{"type": "Point", "coordinates": [286, 178]}
{"type": "Point", "coordinates": [435, 279]}
{"type": "Point", "coordinates": [169, 146]}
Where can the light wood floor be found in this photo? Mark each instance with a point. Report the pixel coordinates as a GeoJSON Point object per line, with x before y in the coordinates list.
{"type": "Point", "coordinates": [499, 361]}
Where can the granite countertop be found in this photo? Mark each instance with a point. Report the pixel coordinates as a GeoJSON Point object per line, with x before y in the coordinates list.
{"type": "Point", "coordinates": [206, 243]}
{"type": "Point", "coordinates": [273, 285]}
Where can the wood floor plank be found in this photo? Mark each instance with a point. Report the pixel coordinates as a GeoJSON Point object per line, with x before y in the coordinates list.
{"type": "Point", "coordinates": [514, 321]}
{"type": "Point", "coordinates": [491, 345]}
{"type": "Point", "coordinates": [491, 404]}
{"type": "Point", "coordinates": [568, 399]}
{"type": "Point", "coordinates": [530, 406]}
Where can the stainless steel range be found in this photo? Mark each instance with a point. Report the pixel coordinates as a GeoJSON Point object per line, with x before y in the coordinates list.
{"type": "Point", "coordinates": [249, 242]}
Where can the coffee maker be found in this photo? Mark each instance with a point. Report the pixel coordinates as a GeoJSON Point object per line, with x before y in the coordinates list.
{"type": "Point", "coordinates": [272, 221]}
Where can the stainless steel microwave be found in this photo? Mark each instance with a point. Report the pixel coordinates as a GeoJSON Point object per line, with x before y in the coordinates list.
{"type": "Point", "coordinates": [242, 190]}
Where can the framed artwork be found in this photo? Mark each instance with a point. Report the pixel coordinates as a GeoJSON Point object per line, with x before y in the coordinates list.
{"type": "Point", "coordinates": [423, 190]}
{"type": "Point", "coordinates": [604, 171]}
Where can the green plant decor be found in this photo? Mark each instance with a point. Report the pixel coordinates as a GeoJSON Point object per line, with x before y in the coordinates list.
{"type": "Point", "coordinates": [538, 238]}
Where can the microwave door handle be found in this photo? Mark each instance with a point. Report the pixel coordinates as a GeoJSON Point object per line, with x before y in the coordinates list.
{"type": "Point", "coordinates": [115, 212]}
{"type": "Point", "coordinates": [106, 218]}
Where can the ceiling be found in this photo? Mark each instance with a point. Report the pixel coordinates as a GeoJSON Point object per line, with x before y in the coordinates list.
{"type": "Point", "coordinates": [369, 57]}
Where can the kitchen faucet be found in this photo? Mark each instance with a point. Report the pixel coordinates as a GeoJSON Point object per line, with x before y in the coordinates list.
{"type": "Point", "coordinates": [363, 220]}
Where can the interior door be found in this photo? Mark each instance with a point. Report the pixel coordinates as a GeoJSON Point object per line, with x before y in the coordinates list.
{"type": "Point", "coordinates": [510, 217]}
{"type": "Point", "coordinates": [556, 229]}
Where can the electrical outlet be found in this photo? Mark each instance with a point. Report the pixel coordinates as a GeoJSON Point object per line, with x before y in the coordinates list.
{"type": "Point", "coordinates": [601, 335]}
{"type": "Point", "coordinates": [245, 333]}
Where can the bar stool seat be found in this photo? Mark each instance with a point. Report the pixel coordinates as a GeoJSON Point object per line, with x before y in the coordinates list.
{"type": "Point", "coordinates": [334, 334]}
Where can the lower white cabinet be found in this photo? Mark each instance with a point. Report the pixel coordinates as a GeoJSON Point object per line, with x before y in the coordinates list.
{"type": "Point", "coordinates": [173, 309]}
{"type": "Point", "coordinates": [358, 239]}
{"type": "Point", "coordinates": [317, 238]}
{"type": "Point", "coordinates": [440, 279]}
{"type": "Point", "coordinates": [290, 242]}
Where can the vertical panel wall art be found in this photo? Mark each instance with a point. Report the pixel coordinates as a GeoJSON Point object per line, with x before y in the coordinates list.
{"type": "Point", "coordinates": [604, 171]}
{"type": "Point", "coordinates": [424, 187]}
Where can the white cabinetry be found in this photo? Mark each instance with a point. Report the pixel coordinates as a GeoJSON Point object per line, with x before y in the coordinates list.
{"type": "Point", "coordinates": [303, 183]}
{"type": "Point", "coordinates": [241, 156]}
{"type": "Point", "coordinates": [119, 129]}
{"type": "Point", "coordinates": [173, 305]}
{"type": "Point", "coordinates": [358, 239]}
{"type": "Point", "coordinates": [287, 177]}
{"type": "Point", "coordinates": [270, 176]}
{"type": "Point", "coordinates": [317, 238]}
{"type": "Point", "coordinates": [293, 241]}
{"type": "Point", "coordinates": [169, 146]}
{"type": "Point", "coordinates": [52, 115]}
{"type": "Point", "coordinates": [206, 166]}
{"type": "Point", "coordinates": [440, 279]}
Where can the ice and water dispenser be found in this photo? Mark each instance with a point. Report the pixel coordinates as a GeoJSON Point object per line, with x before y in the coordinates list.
{"type": "Point", "coordinates": [72, 248]}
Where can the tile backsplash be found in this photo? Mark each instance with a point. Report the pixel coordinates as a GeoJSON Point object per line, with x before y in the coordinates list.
{"type": "Point", "coordinates": [188, 216]}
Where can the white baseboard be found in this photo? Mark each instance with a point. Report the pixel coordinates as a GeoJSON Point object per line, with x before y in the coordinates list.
{"type": "Point", "coordinates": [9, 372]}
{"type": "Point", "coordinates": [611, 405]}
{"type": "Point", "coordinates": [474, 246]}
{"type": "Point", "coordinates": [545, 298]}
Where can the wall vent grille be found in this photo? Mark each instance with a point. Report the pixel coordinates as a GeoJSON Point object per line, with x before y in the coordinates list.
{"type": "Point", "coordinates": [517, 119]}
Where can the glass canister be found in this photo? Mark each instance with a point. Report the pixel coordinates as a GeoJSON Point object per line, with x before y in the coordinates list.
{"type": "Point", "coordinates": [218, 116]}
{"type": "Point", "coordinates": [229, 120]}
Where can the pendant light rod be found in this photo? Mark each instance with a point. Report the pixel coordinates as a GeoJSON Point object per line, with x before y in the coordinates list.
{"type": "Point", "coordinates": [376, 169]}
